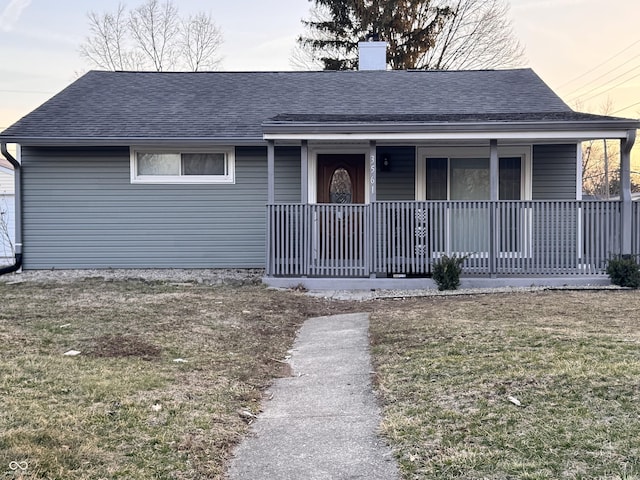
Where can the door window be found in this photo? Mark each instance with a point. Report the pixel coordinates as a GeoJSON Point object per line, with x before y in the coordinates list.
{"type": "Point", "coordinates": [341, 187]}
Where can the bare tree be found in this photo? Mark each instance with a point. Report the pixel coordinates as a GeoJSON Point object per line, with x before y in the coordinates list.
{"type": "Point", "coordinates": [601, 161]}
{"type": "Point", "coordinates": [152, 36]}
{"type": "Point", "coordinates": [478, 35]}
{"type": "Point", "coordinates": [200, 41]}
{"type": "Point", "coordinates": [423, 34]}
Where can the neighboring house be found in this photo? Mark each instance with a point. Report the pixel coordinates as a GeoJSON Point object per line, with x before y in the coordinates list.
{"type": "Point", "coordinates": [342, 175]}
{"type": "Point", "coordinates": [7, 212]}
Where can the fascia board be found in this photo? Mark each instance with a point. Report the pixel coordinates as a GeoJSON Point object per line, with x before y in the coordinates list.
{"type": "Point", "coordinates": [127, 141]}
{"type": "Point", "coordinates": [355, 128]}
{"type": "Point", "coordinates": [577, 135]}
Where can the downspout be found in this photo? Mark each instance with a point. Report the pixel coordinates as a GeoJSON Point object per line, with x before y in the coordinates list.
{"type": "Point", "coordinates": [18, 204]}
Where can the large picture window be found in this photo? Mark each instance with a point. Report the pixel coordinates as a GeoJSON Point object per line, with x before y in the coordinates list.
{"type": "Point", "coordinates": [151, 166]}
{"type": "Point", "coordinates": [468, 178]}
{"type": "Point", "coordinates": [462, 176]}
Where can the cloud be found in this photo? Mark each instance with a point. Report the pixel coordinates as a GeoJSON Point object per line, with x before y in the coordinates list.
{"type": "Point", "coordinates": [11, 14]}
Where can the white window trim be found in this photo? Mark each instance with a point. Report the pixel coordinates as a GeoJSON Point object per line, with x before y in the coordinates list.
{"type": "Point", "coordinates": [229, 178]}
{"type": "Point", "coordinates": [480, 151]}
{"type": "Point", "coordinates": [313, 168]}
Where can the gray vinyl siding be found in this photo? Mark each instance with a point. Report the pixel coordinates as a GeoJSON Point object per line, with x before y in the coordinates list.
{"type": "Point", "coordinates": [399, 182]}
{"type": "Point", "coordinates": [554, 178]}
{"type": "Point", "coordinates": [81, 211]}
{"type": "Point", "coordinates": [287, 174]}
{"type": "Point", "coordinates": [554, 172]}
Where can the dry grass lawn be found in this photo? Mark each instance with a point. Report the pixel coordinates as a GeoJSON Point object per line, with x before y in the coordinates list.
{"type": "Point", "coordinates": [123, 408]}
{"type": "Point", "coordinates": [450, 370]}
{"type": "Point", "coordinates": [446, 367]}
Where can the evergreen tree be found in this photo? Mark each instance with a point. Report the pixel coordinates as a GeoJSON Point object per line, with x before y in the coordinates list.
{"type": "Point", "coordinates": [423, 34]}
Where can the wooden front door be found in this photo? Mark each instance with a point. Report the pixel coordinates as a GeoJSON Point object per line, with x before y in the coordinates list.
{"type": "Point", "coordinates": [341, 221]}
{"type": "Point", "coordinates": [341, 178]}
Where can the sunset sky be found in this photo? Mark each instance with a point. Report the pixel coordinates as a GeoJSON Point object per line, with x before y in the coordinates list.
{"type": "Point", "coordinates": [588, 51]}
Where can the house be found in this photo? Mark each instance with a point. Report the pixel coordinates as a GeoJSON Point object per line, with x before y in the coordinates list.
{"type": "Point", "coordinates": [331, 178]}
{"type": "Point", "coordinates": [7, 212]}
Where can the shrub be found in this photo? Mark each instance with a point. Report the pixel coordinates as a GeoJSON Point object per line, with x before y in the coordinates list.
{"type": "Point", "coordinates": [623, 270]}
{"type": "Point", "coordinates": [447, 270]}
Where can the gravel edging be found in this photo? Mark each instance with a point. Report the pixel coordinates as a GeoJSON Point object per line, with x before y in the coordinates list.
{"type": "Point", "coordinates": [363, 295]}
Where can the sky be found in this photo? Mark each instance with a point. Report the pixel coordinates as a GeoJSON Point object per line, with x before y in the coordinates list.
{"type": "Point", "coordinates": [587, 51]}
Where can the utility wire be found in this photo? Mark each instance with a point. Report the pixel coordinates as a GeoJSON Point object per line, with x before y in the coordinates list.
{"type": "Point", "coordinates": [599, 65]}
{"type": "Point", "coordinates": [580, 97]}
{"type": "Point", "coordinates": [624, 108]}
{"type": "Point", "coordinates": [626, 62]}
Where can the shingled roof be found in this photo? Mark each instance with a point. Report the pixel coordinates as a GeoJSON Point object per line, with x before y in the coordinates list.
{"type": "Point", "coordinates": [236, 106]}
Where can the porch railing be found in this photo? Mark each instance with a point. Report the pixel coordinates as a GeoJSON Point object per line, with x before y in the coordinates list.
{"type": "Point", "coordinates": [405, 238]}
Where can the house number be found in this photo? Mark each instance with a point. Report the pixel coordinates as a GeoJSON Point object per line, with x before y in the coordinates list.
{"type": "Point", "coordinates": [372, 171]}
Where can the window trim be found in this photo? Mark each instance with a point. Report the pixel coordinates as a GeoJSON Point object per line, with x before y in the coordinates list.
{"type": "Point", "coordinates": [522, 151]}
{"type": "Point", "coordinates": [228, 179]}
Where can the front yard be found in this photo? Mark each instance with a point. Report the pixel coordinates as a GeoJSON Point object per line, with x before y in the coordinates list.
{"type": "Point", "coordinates": [163, 371]}
{"type": "Point", "coordinates": [166, 371]}
{"type": "Point", "coordinates": [522, 386]}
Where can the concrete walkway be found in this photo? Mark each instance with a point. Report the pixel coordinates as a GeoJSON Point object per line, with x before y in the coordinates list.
{"type": "Point", "coordinates": [321, 423]}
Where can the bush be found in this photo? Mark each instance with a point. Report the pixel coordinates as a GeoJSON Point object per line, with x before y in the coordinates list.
{"type": "Point", "coordinates": [623, 270]}
{"type": "Point", "coordinates": [447, 270]}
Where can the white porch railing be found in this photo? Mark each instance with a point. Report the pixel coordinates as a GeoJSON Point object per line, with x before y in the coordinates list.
{"type": "Point", "coordinates": [405, 238]}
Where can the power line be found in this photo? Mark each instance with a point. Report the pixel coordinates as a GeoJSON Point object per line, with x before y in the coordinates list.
{"type": "Point", "coordinates": [579, 97]}
{"type": "Point", "coordinates": [599, 65]}
{"type": "Point", "coordinates": [626, 62]}
{"type": "Point", "coordinates": [624, 108]}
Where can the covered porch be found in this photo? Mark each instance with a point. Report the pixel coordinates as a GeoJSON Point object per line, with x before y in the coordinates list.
{"type": "Point", "coordinates": [489, 193]}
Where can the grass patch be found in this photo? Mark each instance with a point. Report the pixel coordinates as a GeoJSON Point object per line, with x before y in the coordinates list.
{"type": "Point", "coordinates": [123, 408]}
{"type": "Point", "coordinates": [446, 367]}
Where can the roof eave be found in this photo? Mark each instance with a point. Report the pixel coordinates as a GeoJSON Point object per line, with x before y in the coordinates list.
{"type": "Point", "coordinates": [129, 141]}
{"type": "Point", "coordinates": [587, 129]}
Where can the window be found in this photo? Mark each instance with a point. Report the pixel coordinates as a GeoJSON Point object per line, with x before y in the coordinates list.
{"type": "Point", "coordinates": [211, 166]}
{"type": "Point", "coordinates": [340, 189]}
{"type": "Point", "coordinates": [468, 178]}
{"type": "Point", "coordinates": [462, 174]}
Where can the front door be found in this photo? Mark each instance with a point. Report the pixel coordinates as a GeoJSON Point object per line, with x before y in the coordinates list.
{"type": "Point", "coordinates": [341, 178]}
{"type": "Point", "coordinates": [340, 222]}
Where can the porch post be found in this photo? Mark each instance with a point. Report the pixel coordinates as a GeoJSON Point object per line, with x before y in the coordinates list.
{"type": "Point", "coordinates": [373, 172]}
{"type": "Point", "coordinates": [625, 192]}
{"type": "Point", "coordinates": [373, 191]}
{"type": "Point", "coordinates": [271, 155]}
{"type": "Point", "coordinates": [494, 172]}
{"type": "Point", "coordinates": [304, 172]}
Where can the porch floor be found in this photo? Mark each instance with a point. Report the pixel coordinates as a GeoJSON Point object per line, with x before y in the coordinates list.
{"type": "Point", "coordinates": [468, 282]}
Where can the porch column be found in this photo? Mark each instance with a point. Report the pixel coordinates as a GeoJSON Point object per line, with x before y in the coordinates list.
{"type": "Point", "coordinates": [304, 172]}
{"type": "Point", "coordinates": [373, 193]}
{"type": "Point", "coordinates": [494, 172]}
{"type": "Point", "coordinates": [271, 155]}
{"type": "Point", "coordinates": [625, 192]}
{"type": "Point", "coordinates": [373, 172]}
